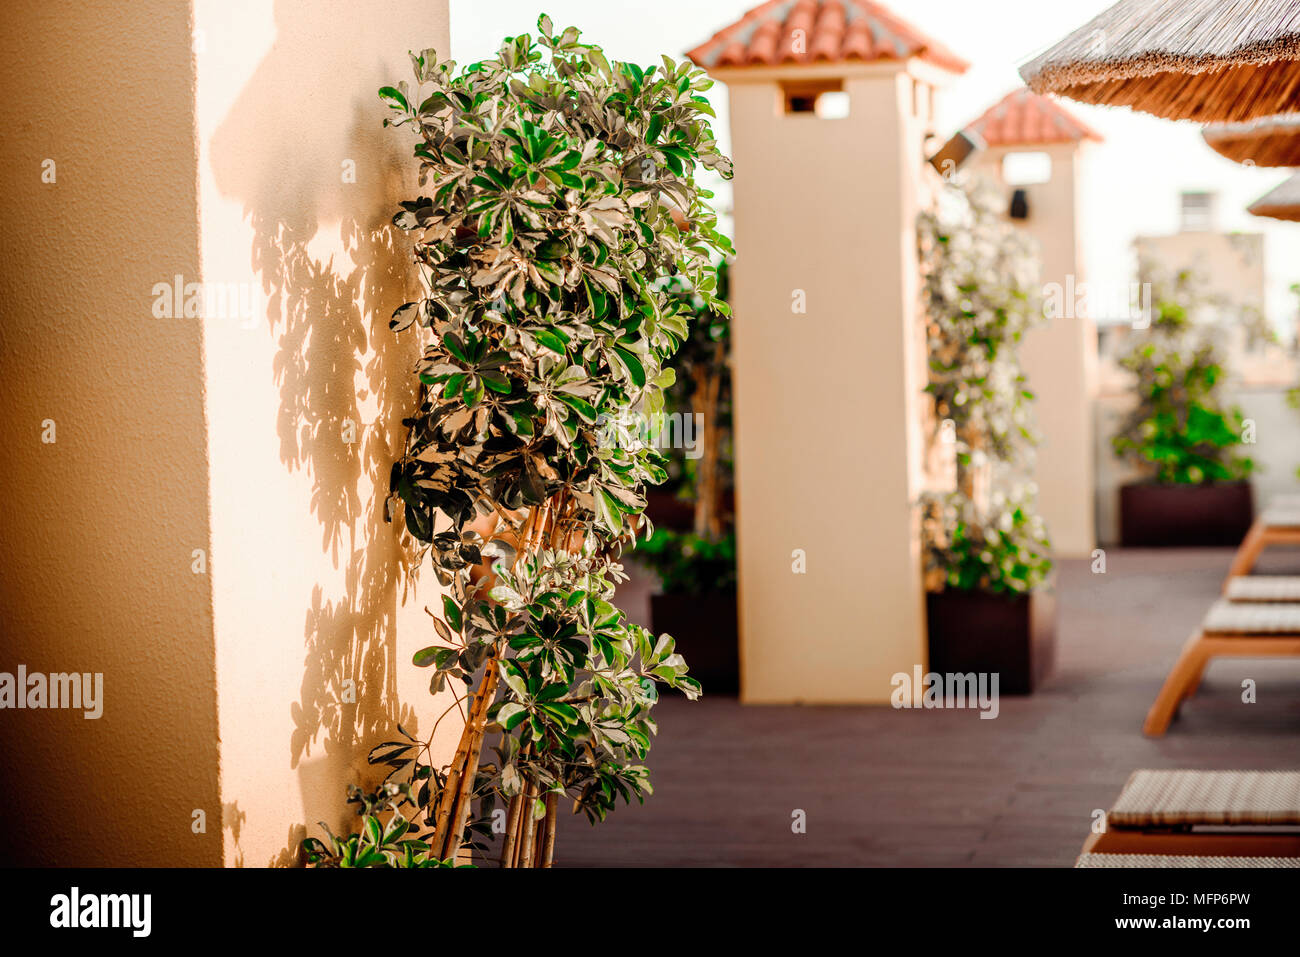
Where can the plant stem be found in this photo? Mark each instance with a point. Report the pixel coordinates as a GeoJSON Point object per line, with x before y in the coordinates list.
{"type": "Point", "coordinates": [512, 831]}
{"type": "Point", "coordinates": [529, 828]}
{"type": "Point", "coordinates": [460, 813]}
{"type": "Point", "coordinates": [552, 806]}
{"type": "Point", "coordinates": [470, 741]}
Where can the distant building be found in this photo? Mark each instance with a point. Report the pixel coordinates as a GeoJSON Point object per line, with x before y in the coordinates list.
{"type": "Point", "coordinates": [832, 104]}
{"type": "Point", "coordinates": [1231, 273]}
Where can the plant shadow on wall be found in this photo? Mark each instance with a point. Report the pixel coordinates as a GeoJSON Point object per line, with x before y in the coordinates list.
{"type": "Point", "coordinates": [343, 380]}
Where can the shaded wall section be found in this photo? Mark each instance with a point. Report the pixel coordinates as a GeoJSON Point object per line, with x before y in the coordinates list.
{"type": "Point", "coordinates": [99, 525]}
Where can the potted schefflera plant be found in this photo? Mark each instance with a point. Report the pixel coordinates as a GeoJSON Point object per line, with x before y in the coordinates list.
{"type": "Point", "coordinates": [1180, 437]}
{"type": "Point", "coordinates": [987, 553]}
{"type": "Point", "coordinates": [554, 183]}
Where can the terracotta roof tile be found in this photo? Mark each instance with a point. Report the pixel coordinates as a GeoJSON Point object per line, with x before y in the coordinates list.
{"type": "Point", "coordinates": [820, 31]}
{"type": "Point", "coordinates": [1024, 118]}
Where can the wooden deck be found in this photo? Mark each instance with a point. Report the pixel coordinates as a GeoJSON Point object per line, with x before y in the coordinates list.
{"type": "Point", "coordinates": [944, 788]}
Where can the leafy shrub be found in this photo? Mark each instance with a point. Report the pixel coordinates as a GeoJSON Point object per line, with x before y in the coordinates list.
{"type": "Point", "coordinates": [703, 390]}
{"type": "Point", "coordinates": [1179, 432]}
{"type": "Point", "coordinates": [690, 564]}
{"type": "Point", "coordinates": [553, 177]}
{"type": "Point", "coordinates": [982, 293]}
{"type": "Point", "coordinates": [375, 844]}
{"type": "Point", "coordinates": [1001, 550]}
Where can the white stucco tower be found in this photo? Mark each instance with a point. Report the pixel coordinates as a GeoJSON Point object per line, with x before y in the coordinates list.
{"type": "Point", "coordinates": [831, 104]}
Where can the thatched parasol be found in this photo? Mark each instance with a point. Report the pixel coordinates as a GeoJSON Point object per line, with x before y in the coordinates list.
{"type": "Point", "coordinates": [1207, 60]}
{"type": "Point", "coordinates": [1272, 141]}
{"type": "Point", "coordinates": [1281, 202]}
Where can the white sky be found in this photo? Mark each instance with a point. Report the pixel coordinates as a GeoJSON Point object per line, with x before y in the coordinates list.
{"type": "Point", "coordinates": [1132, 181]}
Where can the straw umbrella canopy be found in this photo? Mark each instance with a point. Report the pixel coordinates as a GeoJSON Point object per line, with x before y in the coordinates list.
{"type": "Point", "coordinates": [1211, 61]}
{"type": "Point", "coordinates": [1272, 141]}
{"type": "Point", "coordinates": [1281, 202]}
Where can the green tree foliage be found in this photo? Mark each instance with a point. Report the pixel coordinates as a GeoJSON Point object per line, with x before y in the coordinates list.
{"type": "Point", "coordinates": [1180, 431]}
{"type": "Point", "coordinates": [981, 292]}
{"type": "Point", "coordinates": [552, 178]}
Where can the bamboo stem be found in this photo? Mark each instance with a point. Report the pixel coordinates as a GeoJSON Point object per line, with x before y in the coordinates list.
{"type": "Point", "coordinates": [465, 795]}
{"type": "Point", "coordinates": [529, 829]}
{"type": "Point", "coordinates": [535, 544]}
{"type": "Point", "coordinates": [452, 785]}
{"type": "Point", "coordinates": [512, 831]}
{"type": "Point", "coordinates": [519, 831]}
{"type": "Point", "coordinates": [470, 740]}
{"type": "Point", "coordinates": [539, 840]}
{"type": "Point", "coordinates": [552, 809]}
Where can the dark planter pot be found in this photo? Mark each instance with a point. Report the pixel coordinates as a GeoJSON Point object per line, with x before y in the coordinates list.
{"type": "Point", "coordinates": [707, 636]}
{"type": "Point", "coordinates": [666, 510]}
{"type": "Point", "coordinates": [1159, 516]}
{"type": "Point", "coordinates": [1012, 635]}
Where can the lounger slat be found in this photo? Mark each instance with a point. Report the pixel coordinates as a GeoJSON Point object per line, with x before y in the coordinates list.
{"type": "Point", "coordinates": [1252, 618]}
{"type": "Point", "coordinates": [1181, 860]}
{"type": "Point", "coordinates": [1281, 516]}
{"type": "Point", "coordinates": [1173, 798]}
{"type": "Point", "coordinates": [1263, 588]}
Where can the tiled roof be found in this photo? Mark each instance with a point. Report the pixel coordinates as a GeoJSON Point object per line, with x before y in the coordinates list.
{"type": "Point", "coordinates": [833, 31]}
{"type": "Point", "coordinates": [1024, 118]}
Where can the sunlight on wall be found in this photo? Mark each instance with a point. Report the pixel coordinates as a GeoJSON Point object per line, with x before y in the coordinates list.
{"type": "Point", "coordinates": [305, 397]}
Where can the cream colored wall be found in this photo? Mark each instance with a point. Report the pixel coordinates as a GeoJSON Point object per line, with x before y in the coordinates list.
{"type": "Point", "coordinates": [314, 628]}
{"type": "Point", "coordinates": [97, 529]}
{"type": "Point", "coordinates": [1060, 356]}
{"type": "Point", "coordinates": [1231, 265]}
{"type": "Point", "coordinates": [1232, 268]}
{"type": "Point", "coordinates": [205, 140]}
{"type": "Point", "coordinates": [826, 418]}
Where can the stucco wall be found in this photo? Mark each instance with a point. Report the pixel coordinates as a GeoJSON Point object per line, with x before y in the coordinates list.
{"type": "Point", "coordinates": [305, 396]}
{"type": "Point", "coordinates": [247, 680]}
{"type": "Point", "coordinates": [827, 421]}
{"type": "Point", "coordinates": [97, 528]}
{"type": "Point", "coordinates": [1229, 266]}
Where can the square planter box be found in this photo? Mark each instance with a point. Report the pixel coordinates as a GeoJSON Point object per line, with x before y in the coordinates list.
{"type": "Point", "coordinates": [1012, 635]}
{"type": "Point", "coordinates": [707, 636]}
{"type": "Point", "coordinates": [1158, 516]}
{"type": "Point", "coordinates": [666, 510]}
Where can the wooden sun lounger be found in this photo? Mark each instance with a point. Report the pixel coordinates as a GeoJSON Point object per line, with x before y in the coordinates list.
{"type": "Point", "coordinates": [1279, 524]}
{"type": "Point", "coordinates": [1262, 588]}
{"type": "Point", "coordinates": [1256, 629]}
{"type": "Point", "coordinates": [1181, 860]}
{"type": "Point", "coordinates": [1199, 815]}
